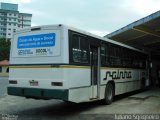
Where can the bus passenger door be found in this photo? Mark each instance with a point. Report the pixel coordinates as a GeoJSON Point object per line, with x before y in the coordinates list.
{"type": "Point", "coordinates": [95, 71]}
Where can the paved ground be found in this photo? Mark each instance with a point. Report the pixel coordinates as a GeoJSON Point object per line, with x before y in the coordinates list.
{"type": "Point", "coordinates": [21, 108]}
{"type": "Point", "coordinates": [54, 109]}
{"type": "Point", "coordinates": [3, 86]}
{"type": "Point", "coordinates": [149, 93]}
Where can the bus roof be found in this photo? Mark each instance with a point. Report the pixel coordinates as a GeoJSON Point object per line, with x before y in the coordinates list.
{"type": "Point", "coordinates": [79, 31]}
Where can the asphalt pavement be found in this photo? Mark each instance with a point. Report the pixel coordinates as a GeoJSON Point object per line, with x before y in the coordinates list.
{"type": "Point", "coordinates": [141, 104]}
{"type": "Point", "coordinates": [3, 86]}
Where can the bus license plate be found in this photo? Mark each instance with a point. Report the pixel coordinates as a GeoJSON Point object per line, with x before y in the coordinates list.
{"type": "Point", "coordinates": [33, 83]}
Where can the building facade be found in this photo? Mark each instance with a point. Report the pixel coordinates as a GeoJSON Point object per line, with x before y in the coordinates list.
{"type": "Point", "coordinates": [11, 20]}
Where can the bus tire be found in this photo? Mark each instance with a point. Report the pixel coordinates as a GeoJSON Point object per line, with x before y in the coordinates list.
{"type": "Point", "coordinates": [109, 94]}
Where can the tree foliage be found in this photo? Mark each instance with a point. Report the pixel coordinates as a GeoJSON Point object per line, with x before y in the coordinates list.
{"type": "Point", "coordinates": [4, 49]}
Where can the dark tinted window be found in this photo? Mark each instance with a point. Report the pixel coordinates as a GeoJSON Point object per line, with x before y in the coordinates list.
{"type": "Point", "coordinates": [79, 48]}
{"type": "Point", "coordinates": [103, 54]}
{"type": "Point", "coordinates": [7, 70]}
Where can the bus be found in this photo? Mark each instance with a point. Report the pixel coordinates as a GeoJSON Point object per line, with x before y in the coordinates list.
{"type": "Point", "coordinates": [65, 63]}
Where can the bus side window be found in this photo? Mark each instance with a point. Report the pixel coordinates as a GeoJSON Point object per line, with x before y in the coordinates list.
{"type": "Point", "coordinates": [112, 55]}
{"type": "Point", "coordinates": [142, 61]}
{"type": "Point", "coordinates": [118, 56]}
{"type": "Point", "coordinates": [79, 49]}
{"type": "Point", "coordinates": [76, 48]}
{"type": "Point", "coordinates": [127, 59]}
{"type": "Point", "coordinates": [84, 49]}
{"type": "Point", "coordinates": [115, 56]}
{"type": "Point", "coordinates": [103, 55]}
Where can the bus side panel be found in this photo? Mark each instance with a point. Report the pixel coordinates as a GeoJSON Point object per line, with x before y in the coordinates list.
{"type": "Point", "coordinates": [77, 76]}
{"type": "Point", "coordinates": [130, 85]}
{"type": "Point", "coordinates": [80, 94]}
{"type": "Point", "coordinates": [124, 81]}
{"type": "Point", "coordinates": [78, 80]}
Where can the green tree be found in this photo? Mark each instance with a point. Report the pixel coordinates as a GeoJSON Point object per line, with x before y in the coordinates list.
{"type": "Point", "coordinates": [4, 49]}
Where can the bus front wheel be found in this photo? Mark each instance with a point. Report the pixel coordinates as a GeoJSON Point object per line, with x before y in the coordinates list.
{"type": "Point", "coordinates": [109, 94]}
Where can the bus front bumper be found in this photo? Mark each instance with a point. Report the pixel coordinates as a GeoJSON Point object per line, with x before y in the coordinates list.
{"type": "Point", "coordinates": [39, 93]}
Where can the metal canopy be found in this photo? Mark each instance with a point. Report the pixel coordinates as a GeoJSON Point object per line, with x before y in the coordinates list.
{"type": "Point", "coordinates": [143, 34]}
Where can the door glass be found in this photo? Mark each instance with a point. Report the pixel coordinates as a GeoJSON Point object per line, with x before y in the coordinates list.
{"type": "Point", "coordinates": [94, 65]}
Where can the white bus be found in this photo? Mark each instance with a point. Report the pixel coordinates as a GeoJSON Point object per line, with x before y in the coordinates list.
{"type": "Point", "coordinates": [61, 62]}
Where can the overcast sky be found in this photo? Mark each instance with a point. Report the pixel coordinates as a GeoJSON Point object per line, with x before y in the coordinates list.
{"type": "Point", "coordinates": [97, 16]}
